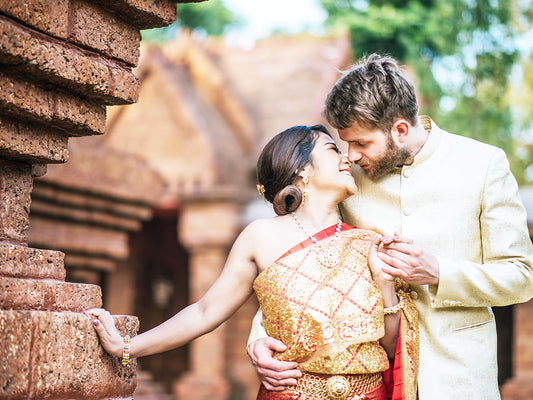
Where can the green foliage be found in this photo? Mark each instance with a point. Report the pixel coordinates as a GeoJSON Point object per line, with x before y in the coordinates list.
{"type": "Point", "coordinates": [208, 17]}
{"type": "Point", "coordinates": [475, 37]}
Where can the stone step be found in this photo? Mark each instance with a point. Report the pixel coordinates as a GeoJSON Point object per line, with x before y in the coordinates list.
{"type": "Point", "coordinates": [25, 262]}
{"type": "Point", "coordinates": [57, 355]}
{"type": "Point", "coordinates": [48, 295]}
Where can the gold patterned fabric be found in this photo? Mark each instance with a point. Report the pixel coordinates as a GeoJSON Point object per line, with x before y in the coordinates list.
{"type": "Point", "coordinates": [330, 318]}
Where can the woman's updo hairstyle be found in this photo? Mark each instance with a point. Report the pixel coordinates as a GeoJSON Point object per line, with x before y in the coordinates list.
{"type": "Point", "coordinates": [284, 156]}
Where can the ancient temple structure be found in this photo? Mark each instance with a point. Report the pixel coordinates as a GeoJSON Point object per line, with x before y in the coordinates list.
{"type": "Point", "coordinates": [61, 63]}
{"type": "Point", "coordinates": [140, 219]}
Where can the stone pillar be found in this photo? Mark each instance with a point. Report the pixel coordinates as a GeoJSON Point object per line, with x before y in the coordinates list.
{"type": "Point", "coordinates": [207, 229]}
{"type": "Point", "coordinates": [62, 63]}
{"type": "Point", "coordinates": [520, 386]}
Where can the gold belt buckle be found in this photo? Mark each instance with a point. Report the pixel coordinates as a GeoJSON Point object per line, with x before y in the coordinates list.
{"type": "Point", "coordinates": [338, 387]}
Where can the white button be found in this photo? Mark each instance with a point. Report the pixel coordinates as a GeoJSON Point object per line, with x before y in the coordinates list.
{"type": "Point", "coordinates": [407, 172]}
{"type": "Point", "coordinates": [446, 303]}
{"type": "Point", "coordinates": [407, 211]}
{"type": "Point", "coordinates": [414, 294]}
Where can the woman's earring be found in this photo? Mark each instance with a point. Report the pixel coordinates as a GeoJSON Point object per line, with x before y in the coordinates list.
{"type": "Point", "coordinates": [305, 193]}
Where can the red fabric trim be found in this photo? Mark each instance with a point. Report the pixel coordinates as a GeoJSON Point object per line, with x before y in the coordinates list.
{"type": "Point", "coordinates": [323, 234]}
{"type": "Point", "coordinates": [393, 377]}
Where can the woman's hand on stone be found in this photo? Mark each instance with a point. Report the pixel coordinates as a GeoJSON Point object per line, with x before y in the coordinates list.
{"type": "Point", "coordinates": [110, 337]}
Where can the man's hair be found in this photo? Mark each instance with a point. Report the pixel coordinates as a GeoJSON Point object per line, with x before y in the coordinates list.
{"type": "Point", "coordinates": [374, 94]}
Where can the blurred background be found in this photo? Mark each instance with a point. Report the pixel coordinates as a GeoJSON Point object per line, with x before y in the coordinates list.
{"type": "Point", "coordinates": [150, 209]}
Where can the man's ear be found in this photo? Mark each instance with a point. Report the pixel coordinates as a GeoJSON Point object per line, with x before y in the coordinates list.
{"type": "Point", "coordinates": [400, 129]}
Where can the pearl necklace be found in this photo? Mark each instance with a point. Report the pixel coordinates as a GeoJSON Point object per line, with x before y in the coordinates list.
{"type": "Point", "coordinates": [330, 255]}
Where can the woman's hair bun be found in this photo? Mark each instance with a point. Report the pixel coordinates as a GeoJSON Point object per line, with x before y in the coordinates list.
{"type": "Point", "coordinates": [287, 200]}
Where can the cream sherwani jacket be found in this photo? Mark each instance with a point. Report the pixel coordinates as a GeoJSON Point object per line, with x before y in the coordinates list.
{"type": "Point", "coordinates": [460, 201]}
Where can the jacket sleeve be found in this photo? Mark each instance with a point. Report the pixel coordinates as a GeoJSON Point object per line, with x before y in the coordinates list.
{"type": "Point", "coordinates": [505, 275]}
{"type": "Point", "coordinates": [258, 330]}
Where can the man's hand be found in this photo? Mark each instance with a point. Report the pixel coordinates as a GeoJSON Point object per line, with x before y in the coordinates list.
{"type": "Point", "coordinates": [408, 261]}
{"type": "Point", "coordinates": [273, 374]}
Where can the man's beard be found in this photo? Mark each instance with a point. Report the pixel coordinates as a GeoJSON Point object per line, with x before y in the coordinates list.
{"type": "Point", "coordinates": [393, 157]}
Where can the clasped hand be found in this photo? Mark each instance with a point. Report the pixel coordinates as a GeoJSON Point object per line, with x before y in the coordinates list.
{"type": "Point", "coordinates": [406, 260]}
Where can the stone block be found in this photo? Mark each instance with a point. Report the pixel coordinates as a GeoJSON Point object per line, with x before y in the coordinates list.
{"type": "Point", "coordinates": [15, 188]}
{"type": "Point", "coordinates": [15, 344]}
{"type": "Point", "coordinates": [58, 356]}
{"type": "Point", "coordinates": [144, 14]}
{"type": "Point", "coordinates": [49, 16]}
{"type": "Point", "coordinates": [95, 27]}
{"type": "Point", "coordinates": [53, 61]}
{"type": "Point", "coordinates": [26, 262]}
{"type": "Point", "coordinates": [23, 99]}
{"type": "Point", "coordinates": [76, 365]}
{"type": "Point", "coordinates": [34, 294]}
{"type": "Point", "coordinates": [32, 143]}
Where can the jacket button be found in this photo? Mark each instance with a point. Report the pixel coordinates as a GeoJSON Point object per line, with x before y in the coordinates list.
{"type": "Point", "coordinates": [407, 172]}
{"type": "Point", "coordinates": [407, 211]}
{"type": "Point", "coordinates": [446, 303]}
{"type": "Point", "coordinates": [413, 294]}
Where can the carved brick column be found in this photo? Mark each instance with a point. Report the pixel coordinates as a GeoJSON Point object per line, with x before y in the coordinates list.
{"type": "Point", "coordinates": [520, 386]}
{"type": "Point", "coordinates": [207, 229]}
{"type": "Point", "coordinates": [61, 63]}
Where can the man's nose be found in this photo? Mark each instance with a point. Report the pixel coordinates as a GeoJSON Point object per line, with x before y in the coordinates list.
{"type": "Point", "coordinates": [353, 154]}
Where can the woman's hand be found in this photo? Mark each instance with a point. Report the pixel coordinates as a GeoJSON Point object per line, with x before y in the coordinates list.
{"type": "Point", "coordinates": [377, 265]}
{"type": "Point", "coordinates": [109, 335]}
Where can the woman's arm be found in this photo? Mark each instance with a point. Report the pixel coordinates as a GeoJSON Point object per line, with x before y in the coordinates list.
{"type": "Point", "coordinates": [226, 295]}
{"type": "Point", "coordinates": [385, 283]}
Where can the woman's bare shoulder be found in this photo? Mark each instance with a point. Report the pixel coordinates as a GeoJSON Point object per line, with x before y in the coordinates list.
{"type": "Point", "coordinates": [262, 227]}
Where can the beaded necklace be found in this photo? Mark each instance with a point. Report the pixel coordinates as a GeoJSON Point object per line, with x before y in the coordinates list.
{"type": "Point", "coordinates": [330, 255]}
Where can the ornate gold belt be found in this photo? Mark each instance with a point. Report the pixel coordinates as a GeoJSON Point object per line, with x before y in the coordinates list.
{"type": "Point", "coordinates": [337, 387]}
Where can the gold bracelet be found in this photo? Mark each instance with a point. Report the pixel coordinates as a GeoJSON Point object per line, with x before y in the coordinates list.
{"type": "Point", "coordinates": [393, 309]}
{"type": "Point", "coordinates": [126, 350]}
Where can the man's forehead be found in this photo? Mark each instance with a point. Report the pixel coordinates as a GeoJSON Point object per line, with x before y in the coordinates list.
{"type": "Point", "coordinates": [357, 132]}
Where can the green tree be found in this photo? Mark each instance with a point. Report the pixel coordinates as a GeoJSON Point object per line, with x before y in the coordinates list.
{"type": "Point", "coordinates": [208, 17]}
{"type": "Point", "coordinates": [462, 53]}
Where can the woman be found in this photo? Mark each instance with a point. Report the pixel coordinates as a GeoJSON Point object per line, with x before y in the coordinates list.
{"type": "Point", "coordinates": [339, 320]}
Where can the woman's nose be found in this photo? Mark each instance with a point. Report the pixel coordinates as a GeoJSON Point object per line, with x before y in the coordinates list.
{"type": "Point", "coordinates": [346, 159]}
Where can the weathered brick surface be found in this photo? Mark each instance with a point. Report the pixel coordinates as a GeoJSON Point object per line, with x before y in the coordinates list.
{"type": "Point", "coordinates": [15, 345]}
{"type": "Point", "coordinates": [143, 14]}
{"type": "Point", "coordinates": [81, 23]}
{"type": "Point", "coordinates": [58, 356]}
{"type": "Point", "coordinates": [15, 189]}
{"type": "Point", "coordinates": [79, 238]}
{"type": "Point", "coordinates": [58, 63]}
{"type": "Point", "coordinates": [25, 262]}
{"type": "Point", "coordinates": [50, 16]}
{"type": "Point", "coordinates": [34, 294]}
{"type": "Point", "coordinates": [76, 116]}
{"type": "Point", "coordinates": [103, 31]}
{"type": "Point", "coordinates": [32, 143]}
{"type": "Point", "coordinates": [42, 191]}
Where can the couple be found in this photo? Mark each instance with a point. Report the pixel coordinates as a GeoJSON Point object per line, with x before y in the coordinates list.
{"type": "Point", "coordinates": [464, 247]}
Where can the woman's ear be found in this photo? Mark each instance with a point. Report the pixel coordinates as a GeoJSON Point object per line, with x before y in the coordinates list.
{"type": "Point", "coordinates": [400, 129]}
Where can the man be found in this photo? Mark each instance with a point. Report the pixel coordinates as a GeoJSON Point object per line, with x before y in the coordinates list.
{"type": "Point", "coordinates": [456, 229]}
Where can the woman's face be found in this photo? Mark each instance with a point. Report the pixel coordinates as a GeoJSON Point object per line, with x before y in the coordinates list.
{"type": "Point", "coordinates": [331, 170]}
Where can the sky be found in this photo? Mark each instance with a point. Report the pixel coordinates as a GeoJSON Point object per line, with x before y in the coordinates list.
{"type": "Point", "coordinates": [263, 17]}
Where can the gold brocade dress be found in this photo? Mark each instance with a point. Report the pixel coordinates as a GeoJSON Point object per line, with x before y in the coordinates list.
{"type": "Point", "coordinates": [321, 302]}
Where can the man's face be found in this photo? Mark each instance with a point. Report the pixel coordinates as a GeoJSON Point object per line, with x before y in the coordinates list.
{"type": "Point", "coordinates": [373, 150]}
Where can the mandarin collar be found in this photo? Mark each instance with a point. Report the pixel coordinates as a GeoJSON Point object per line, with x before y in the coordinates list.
{"type": "Point", "coordinates": [432, 142]}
